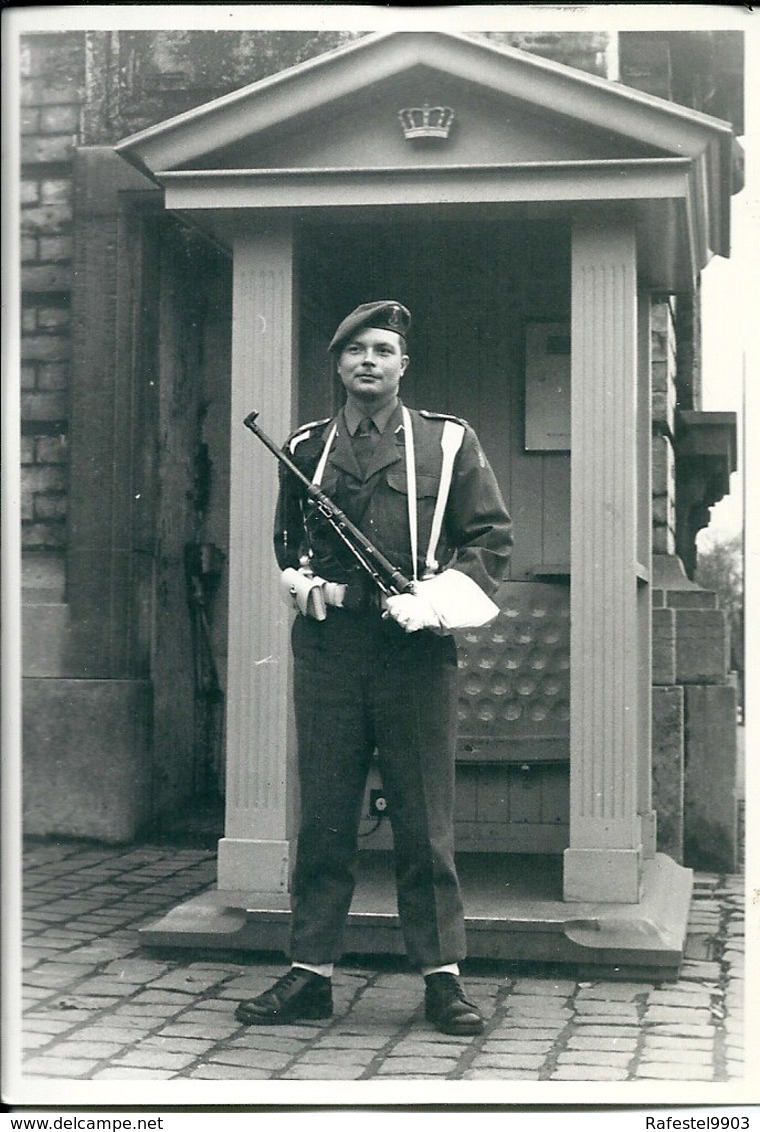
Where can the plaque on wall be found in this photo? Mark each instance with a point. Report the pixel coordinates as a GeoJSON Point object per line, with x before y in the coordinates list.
{"type": "Point", "coordinates": [547, 387]}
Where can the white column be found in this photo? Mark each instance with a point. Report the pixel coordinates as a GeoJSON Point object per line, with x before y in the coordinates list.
{"type": "Point", "coordinates": [603, 862]}
{"type": "Point", "coordinates": [254, 854]}
{"type": "Point", "coordinates": [644, 592]}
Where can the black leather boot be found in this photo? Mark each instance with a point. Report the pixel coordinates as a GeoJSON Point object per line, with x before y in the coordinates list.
{"type": "Point", "coordinates": [298, 994]}
{"type": "Point", "coordinates": [447, 1005]}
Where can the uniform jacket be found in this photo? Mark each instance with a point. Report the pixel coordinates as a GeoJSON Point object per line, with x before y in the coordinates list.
{"type": "Point", "coordinates": [476, 536]}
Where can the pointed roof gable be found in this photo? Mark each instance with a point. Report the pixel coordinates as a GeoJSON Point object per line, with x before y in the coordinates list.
{"type": "Point", "coordinates": [335, 117]}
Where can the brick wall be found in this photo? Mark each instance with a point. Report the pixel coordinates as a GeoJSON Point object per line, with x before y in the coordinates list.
{"type": "Point", "coordinates": [87, 88]}
{"type": "Point", "coordinates": [586, 50]}
{"type": "Point", "coordinates": [52, 78]}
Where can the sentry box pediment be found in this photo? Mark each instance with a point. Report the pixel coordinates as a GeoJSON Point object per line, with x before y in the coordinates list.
{"type": "Point", "coordinates": [495, 126]}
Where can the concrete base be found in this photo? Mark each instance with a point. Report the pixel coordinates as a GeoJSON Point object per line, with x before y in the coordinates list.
{"type": "Point", "coordinates": [85, 758]}
{"type": "Point", "coordinates": [603, 875]}
{"type": "Point", "coordinates": [268, 861]}
{"type": "Point", "coordinates": [710, 778]}
{"type": "Point", "coordinates": [668, 768]}
{"type": "Point", "coordinates": [513, 909]}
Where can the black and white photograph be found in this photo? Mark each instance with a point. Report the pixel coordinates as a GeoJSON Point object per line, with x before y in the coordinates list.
{"type": "Point", "coordinates": [376, 554]}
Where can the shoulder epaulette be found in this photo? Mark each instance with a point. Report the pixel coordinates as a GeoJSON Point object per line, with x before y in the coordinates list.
{"type": "Point", "coordinates": [442, 417]}
{"type": "Point", "coordinates": [305, 431]}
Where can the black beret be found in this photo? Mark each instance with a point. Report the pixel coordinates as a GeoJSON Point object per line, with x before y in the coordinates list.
{"type": "Point", "coordinates": [383, 315]}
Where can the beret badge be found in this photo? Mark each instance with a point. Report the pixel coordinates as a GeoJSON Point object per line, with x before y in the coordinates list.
{"type": "Point", "coordinates": [385, 314]}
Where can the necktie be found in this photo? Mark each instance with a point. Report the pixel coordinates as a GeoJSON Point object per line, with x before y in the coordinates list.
{"type": "Point", "coordinates": [364, 441]}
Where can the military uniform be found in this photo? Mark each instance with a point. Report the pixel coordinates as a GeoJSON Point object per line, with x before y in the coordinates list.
{"type": "Point", "coordinates": [363, 685]}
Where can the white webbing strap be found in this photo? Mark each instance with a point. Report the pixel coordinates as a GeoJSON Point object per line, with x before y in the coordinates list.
{"type": "Point", "coordinates": [411, 485]}
{"type": "Point", "coordinates": [319, 473]}
{"type": "Point", "coordinates": [451, 441]}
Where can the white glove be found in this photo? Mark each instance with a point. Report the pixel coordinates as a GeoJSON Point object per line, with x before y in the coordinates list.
{"type": "Point", "coordinates": [412, 612]}
{"type": "Point", "coordinates": [457, 601]}
{"type": "Point", "coordinates": [310, 594]}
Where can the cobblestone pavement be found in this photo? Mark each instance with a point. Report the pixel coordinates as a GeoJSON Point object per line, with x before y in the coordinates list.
{"type": "Point", "coordinates": [97, 1006]}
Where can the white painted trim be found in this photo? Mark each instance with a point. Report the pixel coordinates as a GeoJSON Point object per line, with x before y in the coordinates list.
{"type": "Point", "coordinates": [621, 164]}
{"type": "Point", "coordinates": [305, 188]}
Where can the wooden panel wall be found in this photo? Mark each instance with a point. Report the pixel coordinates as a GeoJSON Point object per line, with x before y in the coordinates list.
{"type": "Point", "coordinates": [471, 288]}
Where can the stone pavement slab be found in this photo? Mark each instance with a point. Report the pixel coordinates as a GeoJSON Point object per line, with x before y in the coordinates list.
{"type": "Point", "coordinates": [99, 1006]}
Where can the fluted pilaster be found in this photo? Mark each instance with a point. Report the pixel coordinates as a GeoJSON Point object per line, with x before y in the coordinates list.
{"type": "Point", "coordinates": [604, 858]}
{"type": "Point", "coordinates": [254, 853]}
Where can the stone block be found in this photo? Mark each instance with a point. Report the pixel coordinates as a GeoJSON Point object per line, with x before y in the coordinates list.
{"type": "Point", "coordinates": [29, 191]}
{"type": "Point", "coordinates": [43, 536]}
{"type": "Point", "coordinates": [50, 507]}
{"type": "Point", "coordinates": [29, 121]}
{"type": "Point", "coordinates": [48, 218]}
{"type": "Point", "coordinates": [61, 119]}
{"type": "Point", "coordinates": [58, 55]}
{"type": "Point", "coordinates": [44, 628]}
{"type": "Point", "coordinates": [663, 375]}
{"type": "Point", "coordinates": [663, 646]}
{"type": "Point", "coordinates": [55, 191]}
{"type": "Point", "coordinates": [702, 646]}
{"type": "Point", "coordinates": [37, 149]}
{"type": "Point", "coordinates": [51, 450]}
{"type": "Point", "coordinates": [663, 466]}
{"type": "Point", "coordinates": [54, 248]}
{"type": "Point", "coordinates": [664, 408]}
{"type": "Point", "coordinates": [45, 348]}
{"type": "Point", "coordinates": [692, 599]}
{"type": "Point", "coordinates": [86, 757]}
{"type": "Point", "coordinates": [51, 318]}
{"type": "Point", "coordinates": [43, 407]}
{"type": "Point", "coordinates": [28, 376]}
{"type": "Point", "coordinates": [663, 345]}
{"type": "Point", "coordinates": [664, 511]}
{"type": "Point", "coordinates": [52, 376]}
{"type": "Point", "coordinates": [48, 278]}
{"type": "Point", "coordinates": [44, 478]}
{"type": "Point", "coordinates": [668, 769]}
{"type": "Point", "coordinates": [710, 810]}
{"type": "Point", "coordinates": [42, 580]}
{"type": "Point", "coordinates": [663, 367]}
{"type": "Point", "coordinates": [28, 249]}
{"type": "Point", "coordinates": [663, 540]}
{"type": "Point", "coordinates": [662, 319]}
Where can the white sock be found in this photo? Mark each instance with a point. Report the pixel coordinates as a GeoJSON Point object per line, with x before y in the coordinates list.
{"type": "Point", "coordinates": [323, 969]}
{"type": "Point", "coordinates": [451, 968]}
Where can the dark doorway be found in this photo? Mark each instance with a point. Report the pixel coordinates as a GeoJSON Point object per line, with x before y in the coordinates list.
{"type": "Point", "coordinates": [473, 289]}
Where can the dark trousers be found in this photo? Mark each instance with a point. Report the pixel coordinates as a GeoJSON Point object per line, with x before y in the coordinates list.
{"type": "Point", "coordinates": [360, 685]}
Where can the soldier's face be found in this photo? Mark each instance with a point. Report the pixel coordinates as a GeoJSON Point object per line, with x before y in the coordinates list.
{"type": "Point", "coordinates": [372, 364]}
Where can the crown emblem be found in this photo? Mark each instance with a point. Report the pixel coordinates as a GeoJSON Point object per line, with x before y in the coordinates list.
{"type": "Point", "coordinates": [426, 121]}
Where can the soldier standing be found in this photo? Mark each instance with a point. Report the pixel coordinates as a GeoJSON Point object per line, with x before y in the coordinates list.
{"type": "Point", "coordinates": [377, 674]}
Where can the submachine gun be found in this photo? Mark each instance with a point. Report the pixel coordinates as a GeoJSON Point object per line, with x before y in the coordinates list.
{"type": "Point", "coordinates": [383, 573]}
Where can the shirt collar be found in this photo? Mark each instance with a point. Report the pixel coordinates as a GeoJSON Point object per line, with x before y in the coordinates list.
{"type": "Point", "coordinates": [380, 419]}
